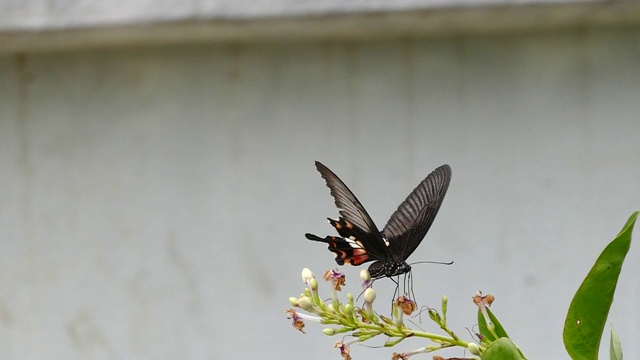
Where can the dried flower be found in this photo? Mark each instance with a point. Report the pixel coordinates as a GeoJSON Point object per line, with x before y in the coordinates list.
{"type": "Point", "coordinates": [397, 356]}
{"type": "Point", "coordinates": [489, 299]}
{"type": "Point", "coordinates": [407, 305]}
{"type": "Point", "coordinates": [407, 355]}
{"type": "Point", "coordinates": [344, 350]}
{"type": "Point", "coordinates": [297, 321]}
{"type": "Point", "coordinates": [485, 300]}
{"type": "Point", "coordinates": [336, 277]}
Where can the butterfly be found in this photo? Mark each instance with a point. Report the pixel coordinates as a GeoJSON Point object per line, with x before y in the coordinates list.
{"type": "Point", "coordinates": [360, 241]}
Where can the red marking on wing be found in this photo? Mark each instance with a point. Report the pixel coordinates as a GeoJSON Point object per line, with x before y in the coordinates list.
{"type": "Point", "coordinates": [359, 256]}
{"type": "Point", "coordinates": [345, 253]}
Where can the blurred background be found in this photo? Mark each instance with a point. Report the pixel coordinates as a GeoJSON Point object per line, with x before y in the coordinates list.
{"type": "Point", "coordinates": [157, 178]}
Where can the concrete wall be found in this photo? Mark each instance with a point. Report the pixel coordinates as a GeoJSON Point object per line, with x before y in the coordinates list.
{"type": "Point", "coordinates": [154, 199]}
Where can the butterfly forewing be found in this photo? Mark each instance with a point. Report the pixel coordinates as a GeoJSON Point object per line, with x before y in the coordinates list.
{"type": "Point", "coordinates": [410, 222]}
{"type": "Point", "coordinates": [354, 213]}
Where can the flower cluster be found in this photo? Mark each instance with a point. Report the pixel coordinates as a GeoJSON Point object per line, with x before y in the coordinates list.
{"type": "Point", "coordinates": [364, 323]}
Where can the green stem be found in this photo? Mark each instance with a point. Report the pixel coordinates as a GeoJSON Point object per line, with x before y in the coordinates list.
{"type": "Point", "coordinates": [406, 332]}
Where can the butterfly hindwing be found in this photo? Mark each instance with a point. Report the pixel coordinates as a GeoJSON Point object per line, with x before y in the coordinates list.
{"type": "Point", "coordinates": [344, 252]}
{"type": "Point", "coordinates": [350, 247]}
{"type": "Point", "coordinates": [410, 222]}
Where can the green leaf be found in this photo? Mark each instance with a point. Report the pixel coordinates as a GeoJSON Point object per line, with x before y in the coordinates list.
{"type": "Point", "coordinates": [499, 330]}
{"type": "Point", "coordinates": [502, 349]}
{"type": "Point", "coordinates": [590, 306]}
{"type": "Point", "coordinates": [615, 349]}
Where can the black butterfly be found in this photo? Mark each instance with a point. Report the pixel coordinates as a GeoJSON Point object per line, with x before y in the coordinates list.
{"type": "Point", "coordinates": [360, 240]}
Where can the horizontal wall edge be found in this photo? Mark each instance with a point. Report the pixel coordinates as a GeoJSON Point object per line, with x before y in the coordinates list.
{"type": "Point", "coordinates": [348, 26]}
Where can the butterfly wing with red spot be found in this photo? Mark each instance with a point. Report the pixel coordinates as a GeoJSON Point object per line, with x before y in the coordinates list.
{"type": "Point", "coordinates": [410, 222]}
{"type": "Point", "coordinates": [361, 240]}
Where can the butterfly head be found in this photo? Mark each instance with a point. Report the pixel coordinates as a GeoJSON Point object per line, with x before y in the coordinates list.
{"type": "Point", "coordinates": [380, 269]}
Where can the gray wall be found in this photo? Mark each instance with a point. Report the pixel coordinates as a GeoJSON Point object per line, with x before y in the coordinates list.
{"type": "Point", "coordinates": [154, 200]}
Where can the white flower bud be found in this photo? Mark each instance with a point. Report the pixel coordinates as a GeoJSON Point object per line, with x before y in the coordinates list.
{"type": "Point", "coordinates": [329, 331]}
{"type": "Point", "coordinates": [364, 275]}
{"type": "Point", "coordinates": [307, 275]}
{"type": "Point", "coordinates": [305, 303]}
{"type": "Point", "coordinates": [369, 295]}
{"type": "Point", "coordinates": [473, 348]}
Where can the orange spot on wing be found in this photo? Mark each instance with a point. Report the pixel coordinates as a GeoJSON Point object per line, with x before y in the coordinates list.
{"type": "Point", "coordinates": [343, 256]}
{"type": "Point", "coordinates": [334, 243]}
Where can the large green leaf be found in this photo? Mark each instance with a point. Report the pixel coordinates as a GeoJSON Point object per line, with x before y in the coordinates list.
{"type": "Point", "coordinates": [590, 306]}
{"type": "Point", "coordinates": [502, 349]}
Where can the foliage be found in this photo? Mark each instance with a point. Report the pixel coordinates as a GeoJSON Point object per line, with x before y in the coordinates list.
{"type": "Point", "coordinates": [583, 330]}
{"type": "Point", "coordinates": [590, 305]}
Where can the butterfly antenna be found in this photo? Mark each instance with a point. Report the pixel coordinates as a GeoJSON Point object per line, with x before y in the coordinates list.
{"type": "Point", "coordinates": [432, 262]}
